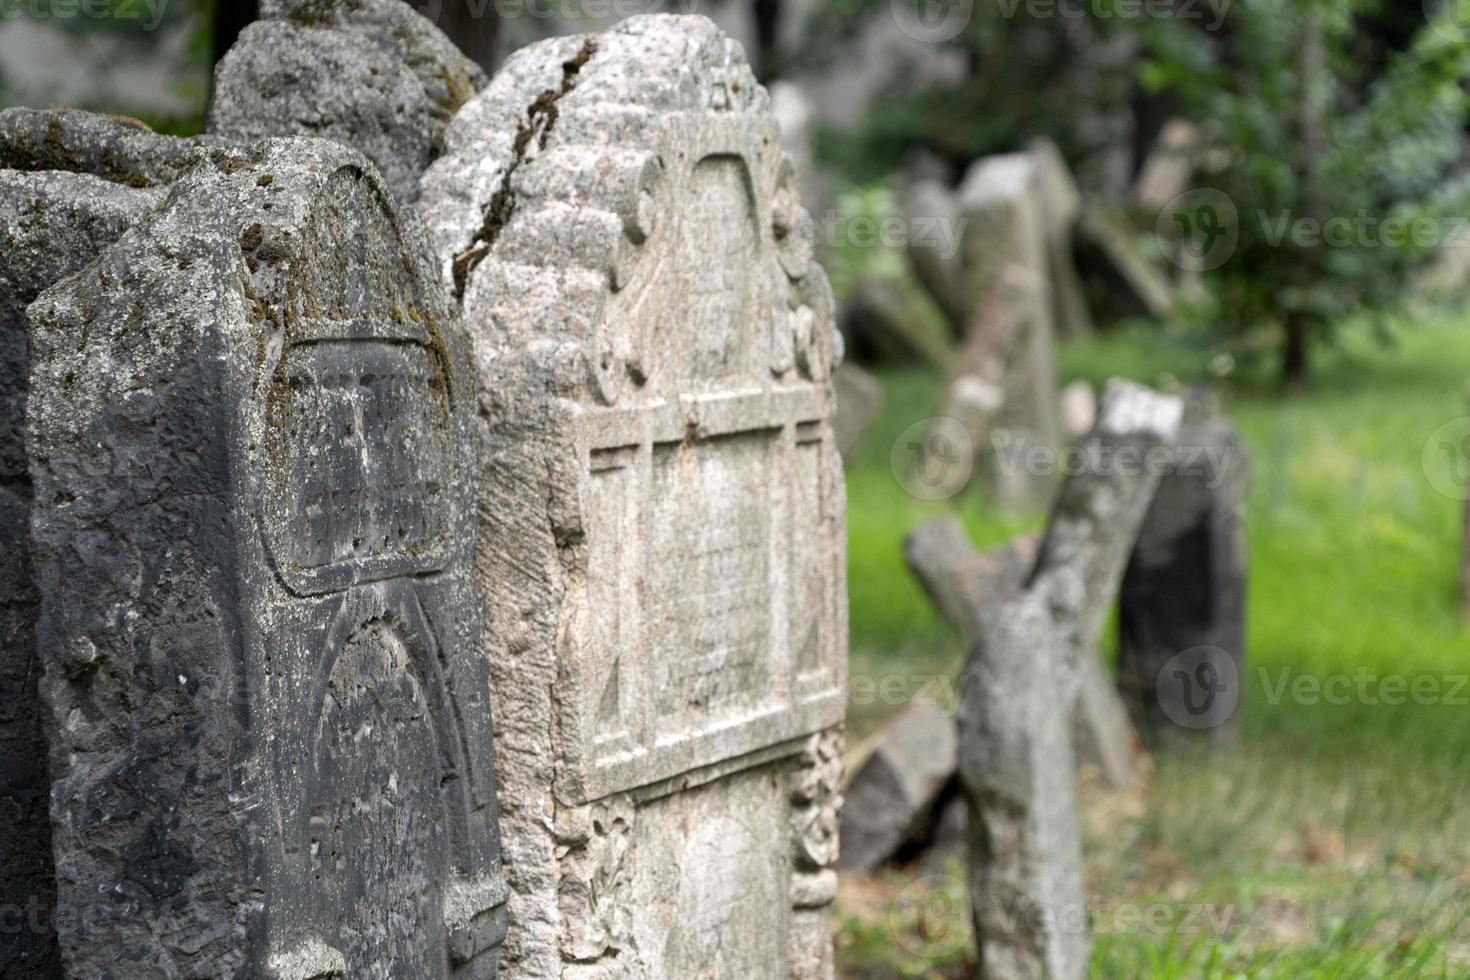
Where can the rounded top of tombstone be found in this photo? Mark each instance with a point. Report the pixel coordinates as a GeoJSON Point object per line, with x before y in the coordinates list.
{"type": "Point", "coordinates": [618, 208]}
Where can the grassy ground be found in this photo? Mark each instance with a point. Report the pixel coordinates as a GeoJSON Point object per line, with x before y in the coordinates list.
{"type": "Point", "coordinates": [1334, 839]}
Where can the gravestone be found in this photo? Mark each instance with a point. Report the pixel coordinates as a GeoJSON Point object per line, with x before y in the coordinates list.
{"type": "Point", "coordinates": [661, 507]}
{"type": "Point", "coordinates": [1061, 206]}
{"type": "Point", "coordinates": [372, 74]}
{"type": "Point", "coordinates": [1182, 603]}
{"type": "Point", "coordinates": [894, 794]}
{"type": "Point", "coordinates": [1019, 697]}
{"type": "Point", "coordinates": [252, 432]}
{"type": "Point", "coordinates": [55, 217]}
{"type": "Point", "coordinates": [859, 403]}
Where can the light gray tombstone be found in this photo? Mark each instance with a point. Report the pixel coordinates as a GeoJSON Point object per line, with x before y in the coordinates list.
{"type": "Point", "coordinates": [1019, 697]}
{"type": "Point", "coordinates": [859, 402]}
{"type": "Point", "coordinates": [662, 519]}
{"type": "Point", "coordinates": [372, 74]}
{"type": "Point", "coordinates": [252, 425]}
{"type": "Point", "coordinates": [72, 184]}
{"type": "Point", "coordinates": [1061, 206]}
{"type": "Point", "coordinates": [1004, 388]}
{"type": "Point", "coordinates": [893, 796]}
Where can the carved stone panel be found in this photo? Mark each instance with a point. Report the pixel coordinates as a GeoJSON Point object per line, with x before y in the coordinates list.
{"type": "Point", "coordinates": [254, 422]}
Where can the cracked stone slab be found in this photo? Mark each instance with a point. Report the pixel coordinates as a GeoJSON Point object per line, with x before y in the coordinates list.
{"type": "Point", "coordinates": [373, 74]}
{"type": "Point", "coordinates": [662, 519]}
{"type": "Point", "coordinates": [252, 433]}
{"type": "Point", "coordinates": [116, 149]}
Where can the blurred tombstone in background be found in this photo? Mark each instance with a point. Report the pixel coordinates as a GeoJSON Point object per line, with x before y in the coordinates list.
{"type": "Point", "coordinates": [1168, 170]}
{"type": "Point", "coordinates": [998, 285]}
{"type": "Point", "coordinates": [1182, 603]}
{"type": "Point", "coordinates": [1019, 694]}
{"type": "Point", "coordinates": [895, 795]}
{"type": "Point", "coordinates": [859, 401]}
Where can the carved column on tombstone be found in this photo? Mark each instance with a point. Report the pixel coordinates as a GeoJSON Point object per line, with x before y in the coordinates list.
{"type": "Point", "coordinates": [661, 505]}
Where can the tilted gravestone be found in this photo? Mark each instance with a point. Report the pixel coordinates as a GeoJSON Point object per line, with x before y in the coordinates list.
{"type": "Point", "coordinates": [661, 507]}
{"type": "Point", "coordinates": [1181, 623]}
{"type": "Point", "coordinates": [372, 74]}
{"type": "Point", "coordinates": [252, 432]}
{"type": "Point", "coordinates": [1020, 691]}
{"type": "Point", "coordinates": [72, 184]}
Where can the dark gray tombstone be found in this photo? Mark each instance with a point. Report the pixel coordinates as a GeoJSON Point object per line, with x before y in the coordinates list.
{"type": "Point", "coordinates": [55, 217]}
{"type": "Point", "coordinates": [252, 424]}
{"type": "Point", "coordinates": [1182, 602]}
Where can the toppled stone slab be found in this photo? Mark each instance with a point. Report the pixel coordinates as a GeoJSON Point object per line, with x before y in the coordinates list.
{"type": "Point", "coordinates": [252, 425]}
{"type": "Point", "coordinates": [893, 796]}
{"type": "Point", "coordinates": [661, 501]}
{"type": "Point", "coordinates": [372, 74]}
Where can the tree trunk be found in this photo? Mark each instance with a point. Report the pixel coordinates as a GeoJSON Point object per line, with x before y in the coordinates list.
{"type": "Point", "coordinates": [229, 20]}
{"type": "Point", "coordinates": [1294, 352]}
{"type": "Point", "coordinates": [474, 27]}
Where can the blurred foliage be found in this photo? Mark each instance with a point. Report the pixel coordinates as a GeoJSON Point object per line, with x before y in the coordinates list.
{"type": "Point", "coordinates": [1335, 128]}
{"type": "Point", "coordinates": [1346, 176]}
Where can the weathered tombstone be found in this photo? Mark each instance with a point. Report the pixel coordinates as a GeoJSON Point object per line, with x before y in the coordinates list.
{"type": "Point", "coordinates": [55, 217]}
{"type": "Point", "coordinates": [661, 507]}
{"type": "Point", "coordinates": [965, 584]}
{"type": "Point", "coordinates": [372, 74]}
{"type": "Point", "coordinates": [1137, 283]}
{"type": "Point", "coordinates": [1004, 389]}
{"type": "Point", "coordinates": [1182, 603]}
{"type": "Point", "coordinates": [1061, 206]}
{"type": "Point", "coordinates": [252, 425]}
{"type": "Point", "coordinates": [1019, 696]}
{"type": "Point", "coordinates": [1169, 167]}
{"type": "Point", "coordinates": [859, 401]}
{"type": "Point", "coordinates": [894, 794]}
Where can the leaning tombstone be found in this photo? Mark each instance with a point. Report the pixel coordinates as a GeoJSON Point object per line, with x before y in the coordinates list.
{"type": "Point", "coordinates": [1181, 624]}
{"type": "Point", "coordinates": [661, 507]}
{"type": "Point", "coordinates": [1019, 695]}
{"type": "Point", "coordinates": [373, 74]}
{"type": "Point", "coordinates": [1008, 294]}
{"type": "Point", "coordinates": [1061, 206]}
{"type": "Point", "coordinates": [72, 183]}
{"type": "Point", "coordinates": [859, 402]}
{"type": "Point", "coordinates": [252, 425]}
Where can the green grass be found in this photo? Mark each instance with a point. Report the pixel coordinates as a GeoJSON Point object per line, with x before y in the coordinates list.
{"type": "Point", "coordinates": [1338, 834]}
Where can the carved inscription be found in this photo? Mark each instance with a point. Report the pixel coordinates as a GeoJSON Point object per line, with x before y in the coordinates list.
{"type": "Point", "coordinates": [378, 827]}
{"type": "Point", "coordinates": [357, 446]}
{"type": "Point", "coordinates": [709, 608]}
